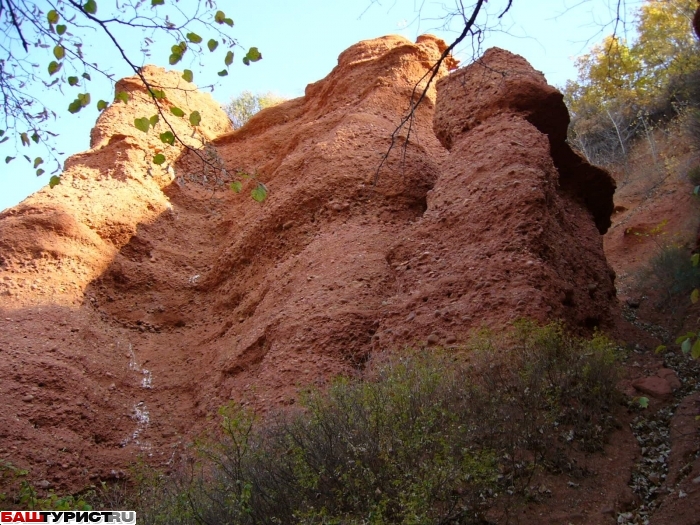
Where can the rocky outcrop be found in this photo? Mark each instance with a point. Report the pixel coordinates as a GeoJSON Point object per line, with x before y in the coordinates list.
{"type": "Point", "coordinates": [522, 207]}
{"type": "Point", "coordinates": [502, 84]}
{"type": "Point", "coordinates": [73, 231]}
{"type": "Point", "coordinates": [161, 296]}
{"type": "Point", "coordinates": [72, 383]}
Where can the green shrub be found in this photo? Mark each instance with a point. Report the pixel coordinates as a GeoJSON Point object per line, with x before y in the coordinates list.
{"type": "Point", "coordinates": [669, 276]}
{"type": "Point", "coordinates": [426, 437]}
{"type": "Point", "coordinates": [18, 493]}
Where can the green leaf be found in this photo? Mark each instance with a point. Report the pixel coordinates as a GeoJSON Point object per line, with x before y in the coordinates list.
{"type": "Point", "coordinates": [682, 338]}
{"type": "Point", "coordinates": [159, 159]}
{"type": "Point", "coordinates": [59, 52]}
{"type": "Point", "coordinates": [53, 16]}
{"type": "Point", "coordinates": [84, 99]}
{"type": "Point", "coordinates": [55, 180]}
{"type": "Point", "coordinates": [236, 186]}
{"type": "Point", "coordinates": [695, 352]}
{"type": "Point", "coordinates": [659, 349]}
{"type": "Point", "coordinates": [228, 22]}
{"type": "Point", "coordinates": [168, 138]}
{"type": "Point", "coordinates": [696, 190]}
{"type": "Point", "coordinates": [158, 94]}
{"type": "Point", "coordinates": [643, 402]}
{"type": "Point", "coordinates": [4, 139]}
{"type": "Point", "coordinates": [9, 159]}
{"type": "Point", "coordinates": [695, 259]}
{"type": "Point", "coordinates": [142, 124]}
{"type": "Point", "coordinates": [54, 67]}
{"type": "Point", "coordinates": [90, 7]}
{"type": "Point", "coordinates": [259, 193]}
{"type": "Point", "coordinates": [177, 111]}
{"type": "Point", "coordinates": [212, 44]}
{"type": "Point", "coordinates": [686, 346]}
{"type": "Point", "coordinates": [123, 96]}
{"type": "Point", "coordinates": [253, 55]}
{"type": "Point", "coordinates": [222, 73]}
{"type": "Point", "coordinates": [73, 81]}
{"type": "Point", "coordinates": [219, 17]}
{"type": "Point", "coordinates": [86, 76]}
{"type": "Point", "coordinates": [195, 118]}
{"type": "Point", "coordinates": [153, 120]}
{"type": "Point", "coordinates": [75, 106]}
{"type": "Point", "coordinates": [101, 105]}
{"type": "Point", "coordinates": [694, 296]}
{"type": "Point", "coordinates": [38, 161]}
{"type": "Point", "coordinates": [194, 38]}
{"type": "Point", "coordinates": [229, 58]}
{"type": "Point", "coordinates": [40, 172]}
{"type": "Point", "coordinates": [157, 2]}
{"type": "Point", "coordinates": [187, 75]}
{"type": "Point", "coordinates": [174, 58]}
{"type": "Point", "coordinates": [25, 139]}
{"type": "Point", "coordinates": [60, 29]}
{"type": "Point", "coordinates": [35, 137]}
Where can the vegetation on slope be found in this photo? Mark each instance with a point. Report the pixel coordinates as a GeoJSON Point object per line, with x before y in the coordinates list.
{"type": "Point", "coordinates": [424, 437]}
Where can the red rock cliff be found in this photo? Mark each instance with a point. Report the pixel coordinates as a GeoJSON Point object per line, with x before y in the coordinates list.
{"type": "Point", "coordinates": [136, 303]}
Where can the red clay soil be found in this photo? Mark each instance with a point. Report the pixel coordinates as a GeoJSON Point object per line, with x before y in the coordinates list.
{"type": "Point", "coordinates": [136, 300]}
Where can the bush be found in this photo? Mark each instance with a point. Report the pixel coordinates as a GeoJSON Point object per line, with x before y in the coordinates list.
{"type": "Point", "coordinates": [424, 438]}
{"type": "Point", "coordinates": [669, 276]}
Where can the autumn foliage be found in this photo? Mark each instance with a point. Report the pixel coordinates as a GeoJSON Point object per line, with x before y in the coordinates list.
{"type": "Point", "coordinates": [623, 87]}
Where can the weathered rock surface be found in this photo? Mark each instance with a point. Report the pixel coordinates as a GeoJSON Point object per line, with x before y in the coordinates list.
{"type": "Point", "coordinates": [654, 386]}
{"type": "Point", "coordinates": [72, 386]}
{"type": "Point", "coordinates": [522, 221]}
{"type": "Point", "coordinates": [161, 296]}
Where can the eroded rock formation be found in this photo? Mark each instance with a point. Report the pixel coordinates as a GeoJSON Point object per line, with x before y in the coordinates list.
{"type": "Point", "coordinates": [518, 200]}
{"type": "Point", "coordinates": [161, 296]}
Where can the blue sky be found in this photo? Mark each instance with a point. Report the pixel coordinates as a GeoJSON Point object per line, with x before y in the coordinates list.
{"type": "Point", "coordinates": [301, 40]}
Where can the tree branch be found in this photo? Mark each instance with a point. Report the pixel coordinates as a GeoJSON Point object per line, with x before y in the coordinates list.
{"type": "Point", "coordinates": [433, 71]}
{"type": "Point", "coordinates": [10, 8]}
{"type": "Point", "coordinates": [149, 87]}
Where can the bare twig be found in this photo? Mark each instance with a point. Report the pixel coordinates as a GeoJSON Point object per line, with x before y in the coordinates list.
{"type": "Point", "coordinates": [430, 75]}
{"type": "Point", "coordinates": [11, 8]}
